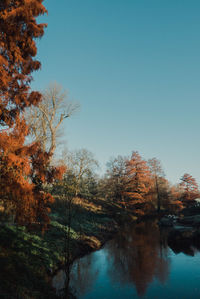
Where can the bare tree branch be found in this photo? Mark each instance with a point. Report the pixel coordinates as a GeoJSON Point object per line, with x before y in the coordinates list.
{"type": "Point", "coordinates": [45, 120]}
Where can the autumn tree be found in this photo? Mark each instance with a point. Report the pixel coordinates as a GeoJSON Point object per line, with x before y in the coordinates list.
{"type": "Point", "coordinates": [138, 182]}
{"type": "Point", "coordinates": [23, 168]}
{"type": "Point", "coordinates": [189, 187]}
{"type": "Point", "coordinates": [45, 119]}
{"type": "Point", "coordinates": [157, 174]}
{"type": "Point", "coordinates": [174, 203]}
{"type": "Point", "coordinates": [19, 29]}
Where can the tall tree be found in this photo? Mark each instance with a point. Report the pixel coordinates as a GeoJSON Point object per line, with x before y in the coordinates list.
{"type": "Point", "coordinates": [23, 167]}
{"type": "Point", "coordinates": [81, 164]}
{"type": "Point", "coordinates": [190, 187]}
{"type": "Point", "coordinates": [138, 181]}
{"type": "Point", "coordinates": [157, 173]}
{"type": "Point", "coordinates": [18, 30]}
{"type": "Point", "coordinates": [115, 180]}
{"type": "Point", "coordinates": [174, 203]}
{"type": "Point", "coordinates": [46, 118]}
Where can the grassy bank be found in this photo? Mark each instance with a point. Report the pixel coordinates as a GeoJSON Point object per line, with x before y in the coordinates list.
{"type": "Point", "coordinates": [29, 259]}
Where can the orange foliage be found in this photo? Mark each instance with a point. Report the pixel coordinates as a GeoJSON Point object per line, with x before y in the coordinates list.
{"type": "Point", "coordinates": [190, 187]}
{"type": "Point", "coordinates": [174, 204]}
{"type": "Point", "coordinates": [18, 31]}
{"type": "Point", "coordinates": [138, 180]}
{"type": "Point", "coordinates": [23, 168]}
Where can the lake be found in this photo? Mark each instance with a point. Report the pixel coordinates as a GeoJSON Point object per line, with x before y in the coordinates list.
{"type": "Point", "coordinates": [138, 263]}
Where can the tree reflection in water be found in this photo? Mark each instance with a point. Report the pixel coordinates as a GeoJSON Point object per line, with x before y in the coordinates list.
{"type": "Point", "coordinates": [139, 255]}
{"type": "Point", "coordinates": [83, 275]}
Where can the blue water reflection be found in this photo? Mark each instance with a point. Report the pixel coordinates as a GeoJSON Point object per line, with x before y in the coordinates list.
{"type": "Point", "coordinates": [137, 263]}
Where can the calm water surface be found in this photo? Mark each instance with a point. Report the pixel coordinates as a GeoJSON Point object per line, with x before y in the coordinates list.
{"type": "Point", "coordinates": [138, 263]}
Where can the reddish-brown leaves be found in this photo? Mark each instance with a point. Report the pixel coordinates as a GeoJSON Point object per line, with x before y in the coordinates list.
{"type": "Point", "coordinates": [138, 180]}
{"type": "Point", "coordinates": [18, 31]}
{"type": "Point", "coordinates": [190, 187]}
{"type": "Point", "coordinates": [23, 168]}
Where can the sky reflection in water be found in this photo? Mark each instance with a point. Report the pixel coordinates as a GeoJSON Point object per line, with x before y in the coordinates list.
{"type": "Point", "coordinates": [137, 264]}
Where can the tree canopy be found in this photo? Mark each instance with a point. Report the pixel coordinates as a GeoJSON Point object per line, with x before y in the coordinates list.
{"type": "Point", "coordinates": [24, 168]}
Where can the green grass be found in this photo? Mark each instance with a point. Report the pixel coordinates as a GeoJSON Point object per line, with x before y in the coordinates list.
{"type": "Point", "coordinates": [28, 258]}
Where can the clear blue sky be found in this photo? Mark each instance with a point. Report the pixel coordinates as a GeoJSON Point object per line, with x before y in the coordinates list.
{"type": "Point", "coordinates": [134, 67]}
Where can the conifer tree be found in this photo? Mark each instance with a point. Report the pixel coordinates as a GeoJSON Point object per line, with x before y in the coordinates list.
{"type": "Point", "coordinates": [189, 186]}
{"type": "Point", "coordinates": [23, 168]}
{"type": "Point", "coordinates": [138, 180]}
